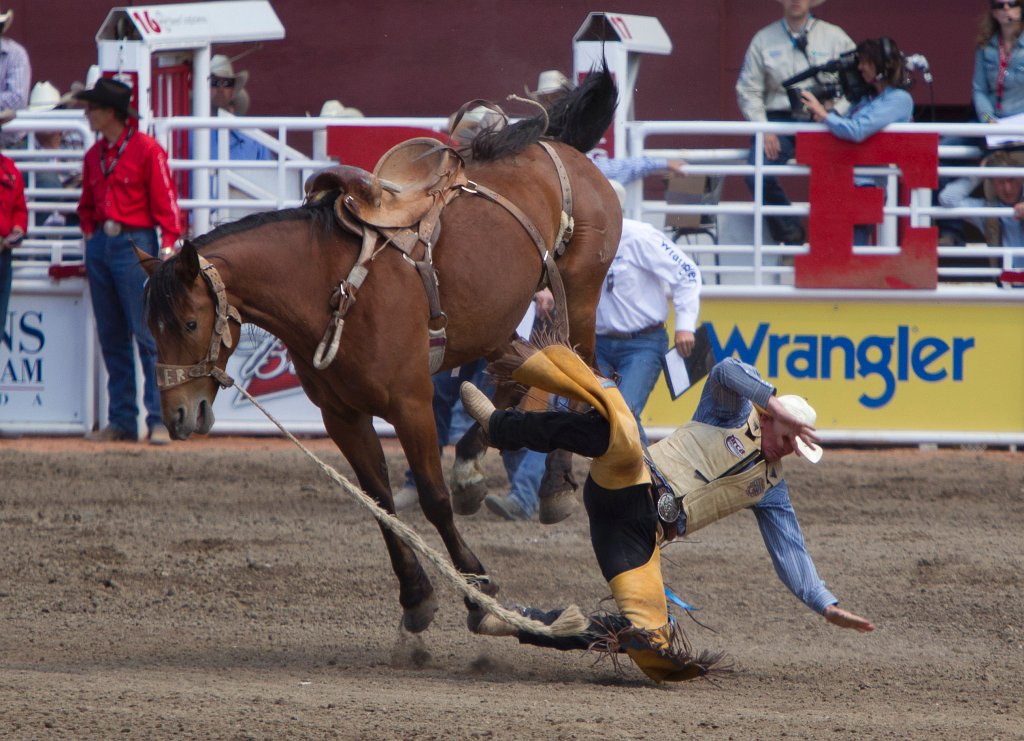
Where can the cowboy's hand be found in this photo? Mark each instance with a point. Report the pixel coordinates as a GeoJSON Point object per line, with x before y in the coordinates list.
{"type": "Point", "coordinates": [771, 146]}
{"type": "Point", "coordinates": [787, 425]}
{"type": "Point", "coordinates": [684, 342]}
{"type": "Point", "coordinates": [676, 167]}
{"type": "Point", "coordinates": [844, 619]}
{"type": "Point", "coordinates": [14, 238]}
{"type": "Point", "coordinates": [545, 302]}
{"type": "Point", "coordinates": [1018, 211]}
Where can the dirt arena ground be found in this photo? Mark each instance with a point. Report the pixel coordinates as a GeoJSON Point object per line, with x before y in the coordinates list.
{"type": "Point", "coordinates": [226, 589]}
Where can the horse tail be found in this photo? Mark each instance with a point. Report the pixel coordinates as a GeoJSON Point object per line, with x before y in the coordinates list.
{"type": "Point", "coordinates": [578, 119]}
{"type": "Point", "coordinates": [581, 118]}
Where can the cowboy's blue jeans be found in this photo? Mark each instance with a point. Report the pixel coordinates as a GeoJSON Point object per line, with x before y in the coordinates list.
{"type": "Point", "coordinates": [638, 363]}
{"type": "Point", "coordinates": [116, 282]}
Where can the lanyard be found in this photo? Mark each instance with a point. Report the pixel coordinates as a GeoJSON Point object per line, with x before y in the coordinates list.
{"type": "Point", "coordinates": [120, 150]}
{"type": "Point", "coordinates": [799, 41]}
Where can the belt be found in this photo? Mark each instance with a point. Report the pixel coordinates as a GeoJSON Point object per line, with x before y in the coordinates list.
{"type": "Point", "coordinates": [115, 228]}
{"type": "Point", "coordinates": [634, 335]}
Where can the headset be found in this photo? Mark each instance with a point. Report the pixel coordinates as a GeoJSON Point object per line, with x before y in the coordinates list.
{"type": "Point", "coordinates": [890, 57]}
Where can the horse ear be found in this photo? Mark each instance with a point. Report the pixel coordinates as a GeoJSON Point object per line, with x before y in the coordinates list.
{"type": "Point", "coordinates": [188, 262]}
{"type": "Point", "coordinates": [147, 261]}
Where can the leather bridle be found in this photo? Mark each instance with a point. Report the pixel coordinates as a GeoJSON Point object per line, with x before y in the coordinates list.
{"type": "Point", "coordinates": [171, 376]}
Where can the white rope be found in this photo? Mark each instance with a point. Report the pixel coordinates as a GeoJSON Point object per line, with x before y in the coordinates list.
{"type": "Point", "coordinates": [572, 621]}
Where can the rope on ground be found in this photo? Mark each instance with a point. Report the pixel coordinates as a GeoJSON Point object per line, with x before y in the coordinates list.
{"type": "Point", "coordinates": [572, 621]}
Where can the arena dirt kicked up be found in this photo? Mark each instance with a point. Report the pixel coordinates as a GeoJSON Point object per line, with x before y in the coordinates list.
{"type": "Point", "coordinates": [225, 588]}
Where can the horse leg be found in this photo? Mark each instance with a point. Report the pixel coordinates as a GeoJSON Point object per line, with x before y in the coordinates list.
{"type": "Point", "coordinates": [414, 424]}
{"type": "Point", "coordinates": [358, 442]}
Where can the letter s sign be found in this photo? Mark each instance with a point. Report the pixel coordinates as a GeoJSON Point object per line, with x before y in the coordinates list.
{"type": "Point", "coordinates": [837, 204]}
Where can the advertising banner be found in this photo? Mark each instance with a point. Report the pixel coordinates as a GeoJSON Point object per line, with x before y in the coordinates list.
{"type": "Point", "coordinates": [879, 365]}
{"type": "Point", "coordinates": [46, 361]}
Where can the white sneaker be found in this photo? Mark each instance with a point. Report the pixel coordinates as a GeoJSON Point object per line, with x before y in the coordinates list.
{"type": "Point", "coordinates": [406, 499]}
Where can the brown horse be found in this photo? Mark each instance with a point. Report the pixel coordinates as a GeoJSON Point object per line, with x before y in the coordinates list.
{"type": "Point", "coordinates": [278, 270]}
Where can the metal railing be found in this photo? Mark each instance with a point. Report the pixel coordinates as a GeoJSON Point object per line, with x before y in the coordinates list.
{"type": "Point", "coordinates": [756, 261]}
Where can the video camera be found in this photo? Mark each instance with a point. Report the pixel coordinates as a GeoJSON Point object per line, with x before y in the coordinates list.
{"type": "Point", "coordinates": [850, 84]}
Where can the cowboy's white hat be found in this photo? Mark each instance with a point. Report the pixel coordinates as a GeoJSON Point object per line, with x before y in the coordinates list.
{"type": "Point", "coordinates": [220, 66]}
{"type": "Point", "coordinates": [44, 97]}
{"type": "Point", "coordinates": [334, 108]}
{"type": "Point", "coordinates": [550, 81]}
{"type": "Point", "coordinates": [799, 408]}
{"type": "Point", "coordinates": [6, 19]}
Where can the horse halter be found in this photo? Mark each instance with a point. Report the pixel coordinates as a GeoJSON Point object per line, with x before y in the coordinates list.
{"type": "Point", "coordinates": [171, 376]}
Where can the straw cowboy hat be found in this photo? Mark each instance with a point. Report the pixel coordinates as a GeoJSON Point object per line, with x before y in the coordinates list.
{"type": "Point", "coordinates": [111, 93]}
{"type": "Point", "coordinates": [46, 97]}
{"type": "Point", "coordinates": [336, 109]}
{"type": "Point", "coordinates": [799, 408]}
{"type": "Point", "coordinates": [6, 19]}
{"type": "Point", "coordinates": [220, 66]}
{"type": "Point", "coordinates": [550, 81]}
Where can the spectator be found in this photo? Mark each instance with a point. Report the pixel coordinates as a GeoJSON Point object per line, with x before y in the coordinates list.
{"type": "Point", "coordinates": [998, 84]}
{"type": "Point", "coordinates": [999, 192]}
{"type": "Point", "coordinates": [881, 66]}
{"type": "Point", "coordinates": [127, 192]}
{"type": "Point", "coordinates": [45, 97]}
{"type": "Point", "coordinates": [13, 222]}
{"type": "Point", "coordinates": [552, 84]}
{"type": "Point", "coordinates": [228, 94]}
{"type": "Point", "coordinates": [15, 75]}
{"type": "Point", "coordinates": [776, 53]}
{"type": "Point", "coordinates": [631, 335]}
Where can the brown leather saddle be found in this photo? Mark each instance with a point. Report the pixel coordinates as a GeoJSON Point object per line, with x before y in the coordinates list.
{"type": "Point", "coordinates": [402, 189]}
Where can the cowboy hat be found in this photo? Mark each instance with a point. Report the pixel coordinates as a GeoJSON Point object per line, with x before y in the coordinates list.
{"type": "Point", "coordinates": [550, 81]}
{"type": "Point", "coordinates": [336, 109]}
{"type": "Point", "coordinates": [110, 93]}
{"type": "Point", "coordinates": [799, 408]}
{"type": "Point", "coordinates": [46, 97]}
{"type": "Point", "coordinates": [6, 19]}
{"type": "Point", "coordinates": [220, 66]}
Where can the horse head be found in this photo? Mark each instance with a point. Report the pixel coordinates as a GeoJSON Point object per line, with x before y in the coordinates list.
{"type": "Point", "coordinates": [196, 330]}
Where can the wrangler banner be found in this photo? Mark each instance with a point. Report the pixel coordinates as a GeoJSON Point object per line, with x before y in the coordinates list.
{"type": "Point", "coordinates": [874, 366]}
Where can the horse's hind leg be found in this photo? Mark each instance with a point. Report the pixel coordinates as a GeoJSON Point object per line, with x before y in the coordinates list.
{"type": "Point", "coordinates": [358, 442]}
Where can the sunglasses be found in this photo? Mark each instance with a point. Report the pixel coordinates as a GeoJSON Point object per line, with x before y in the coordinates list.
{"type": "Point", "coordinates": [221, 82]}
{"type": "Point", "coordinates": [1005, 4]}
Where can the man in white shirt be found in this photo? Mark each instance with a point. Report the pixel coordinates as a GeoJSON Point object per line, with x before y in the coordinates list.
{"type": "Point", "coordinates": [777, 52]}
{"type": "Point", "coordinates": [631, 314]}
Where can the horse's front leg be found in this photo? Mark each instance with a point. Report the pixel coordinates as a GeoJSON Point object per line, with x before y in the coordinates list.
{"type": "Point", "coordinates": [413, 420]}
{"type": "Point", "coordinates": [355, 437]}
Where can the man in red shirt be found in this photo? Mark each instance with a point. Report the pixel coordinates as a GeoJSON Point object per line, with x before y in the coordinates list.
{"type": "Point", "coordinates": [127, 193]}
{"type": "Point", "coordinates": [13, 222]}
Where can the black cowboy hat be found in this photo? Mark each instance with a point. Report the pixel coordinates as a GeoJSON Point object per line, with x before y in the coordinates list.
{"type": "Point", "coordinates": [111, 93]}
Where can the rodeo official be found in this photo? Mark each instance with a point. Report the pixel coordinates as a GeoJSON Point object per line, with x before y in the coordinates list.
{"type": "Point", "coordinates": [726, 459]}
{"type": "Point", "coordinates": [127, 192]}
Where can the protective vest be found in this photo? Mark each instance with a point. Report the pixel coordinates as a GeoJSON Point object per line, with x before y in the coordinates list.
{"type": "Point", "coordinates": [715, 471]}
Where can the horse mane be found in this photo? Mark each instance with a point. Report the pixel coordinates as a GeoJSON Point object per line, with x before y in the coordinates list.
{"type": "Point", "coordinates": [166, 295]}
{"type": "Point", "coordinates": [579, 119]}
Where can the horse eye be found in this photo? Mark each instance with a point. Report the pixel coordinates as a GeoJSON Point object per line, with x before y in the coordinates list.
{"type": "Point", "coordinates": [191, 325]}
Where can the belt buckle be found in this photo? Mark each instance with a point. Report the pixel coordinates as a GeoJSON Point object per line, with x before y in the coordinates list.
{"type": "Point", "coordinates": [668, 507]}
{"type": "Point", "coordinates": [112, 228]}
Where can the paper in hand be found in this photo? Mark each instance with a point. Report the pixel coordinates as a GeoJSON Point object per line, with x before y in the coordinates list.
{"type": "Point", "coordinates": [682, 373]}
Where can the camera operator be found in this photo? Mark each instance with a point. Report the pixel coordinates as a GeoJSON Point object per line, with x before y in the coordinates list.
{"type": "Point", "coordinates": [777, 52]}
{"type": "Point", "coordinates": [880, 64]}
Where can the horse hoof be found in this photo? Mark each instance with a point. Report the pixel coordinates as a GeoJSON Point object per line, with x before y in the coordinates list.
{"type": "Point", "coordinates": [417, 619]}
{"type": "Point", "coordinates": [468, 487]}
{"type": "Point", "coordinates": [557, 506]}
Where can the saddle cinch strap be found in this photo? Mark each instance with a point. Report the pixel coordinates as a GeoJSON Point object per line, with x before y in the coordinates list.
{"type": "Point", "coordinates": [170, 376]}
{"type": "Point", "coordinates": [362, 210]}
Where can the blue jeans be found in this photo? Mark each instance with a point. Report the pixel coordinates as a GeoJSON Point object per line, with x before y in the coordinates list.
{"type": "Point", "coordinates": [5, 291]}
{"type": "Point", "coordinates": [638, 363]}
{"type": "Point", "coordinates": [116, 282]}
{"type": "Point", "coordinates": [525, 469]}
{"type": "Point", "coordinates": [785, 229]}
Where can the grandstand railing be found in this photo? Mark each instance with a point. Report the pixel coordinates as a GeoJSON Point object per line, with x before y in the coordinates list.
{"type": "Point", "coordinates": [756, 261]}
